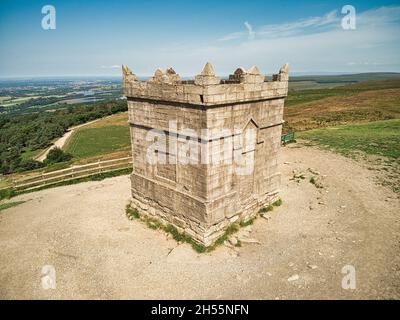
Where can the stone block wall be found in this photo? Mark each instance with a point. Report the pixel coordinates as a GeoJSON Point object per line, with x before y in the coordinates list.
{"type": "Point", "coordinates": [198, 121]}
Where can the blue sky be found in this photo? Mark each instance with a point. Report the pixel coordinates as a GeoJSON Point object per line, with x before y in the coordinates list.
{"type": "Point", "coordinates": [96, 37]}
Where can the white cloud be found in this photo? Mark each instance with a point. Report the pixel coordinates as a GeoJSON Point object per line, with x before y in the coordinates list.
{"type": "Point", "coordinates": [115, 66]}
{"type": "Point", "coordinates": [249, 28]}
{"type": "Point", "coordinates": [381, 16]}
{"type": "Point", "coordinates": [328, 22]}
{"type": "Point", "coordinates": [240, 34]}
{"type": "Point", "coordinates": [285, 29]}
{"type": "Point", "coordinates": [233, 36]}
{"type": "Point", "coordinates": [316, 44]}
{"type": "Point", "coordinates": [312, 24]}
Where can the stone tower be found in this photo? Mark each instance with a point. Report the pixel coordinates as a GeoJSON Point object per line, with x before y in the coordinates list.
{"type": "Point", "coordinates": [194, 165]}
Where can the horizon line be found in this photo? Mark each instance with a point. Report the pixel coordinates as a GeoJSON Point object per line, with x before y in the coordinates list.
{"type": "Point", "coordinates": [294, 73]}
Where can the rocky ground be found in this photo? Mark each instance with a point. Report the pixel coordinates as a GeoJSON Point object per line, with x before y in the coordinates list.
{"type": "Point", "coordinates": [333, 214]}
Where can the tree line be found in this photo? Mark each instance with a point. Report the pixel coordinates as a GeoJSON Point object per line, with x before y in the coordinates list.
{"type": "Point", "coordinates": [30, 132]}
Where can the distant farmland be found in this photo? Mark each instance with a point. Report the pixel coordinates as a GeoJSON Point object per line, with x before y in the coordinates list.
{"type": "Point", "coordinates": [331, 81]}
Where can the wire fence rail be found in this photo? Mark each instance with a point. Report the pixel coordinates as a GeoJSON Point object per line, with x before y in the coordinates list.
{"type": "Point", "coordinates": [76, 172]}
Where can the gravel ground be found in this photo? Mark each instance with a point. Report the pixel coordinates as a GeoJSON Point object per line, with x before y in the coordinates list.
{"type": "Point", "coordinates": [345, 218]}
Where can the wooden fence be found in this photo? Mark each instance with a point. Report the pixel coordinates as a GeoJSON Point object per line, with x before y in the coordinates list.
{"type": "Point", "coordinates": [82, 171]}
{"type": "Point", "coordinates": [86, 170]}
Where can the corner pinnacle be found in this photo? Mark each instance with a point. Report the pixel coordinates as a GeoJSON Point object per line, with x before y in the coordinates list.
{"type": "Point", "coordinates": [253, 70]}
{"type": "Point", "coordinates": [158, 73]}
{"type": "Point", "coordinates": [285, 68]}
{"type": "Point", "coordinates": [208, 70]}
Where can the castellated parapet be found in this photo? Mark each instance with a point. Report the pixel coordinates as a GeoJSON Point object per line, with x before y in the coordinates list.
{"type": "Point", "coordinates": [197, 184]}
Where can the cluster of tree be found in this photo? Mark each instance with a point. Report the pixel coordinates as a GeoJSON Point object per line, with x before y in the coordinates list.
{"type": "Point", "coordinates": [57, 155]}
{"type": "Point", "coordinates": [19, 133]}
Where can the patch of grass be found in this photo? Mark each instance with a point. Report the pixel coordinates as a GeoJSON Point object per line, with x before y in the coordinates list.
{"type": "Point", "coordinates": [7, 193]}
{"type": "Point", "coordinates": [233, 228]}
{"type": "Point", "coordinates": [277, 203]}
{"type": "Point", "coordinates": [155, 224]}
{"type": "Point", "coordinates": [182, 236]}
{"type": "Point", "coordinates": [266, 209]}
{"type": "Point", "coordinates": [8, 205]}
{"type": "Point", "coordinates": [132, 212]}
{"type": "Point", "coordinates": [374, 138]}
{"type": "Point", "coordinates": [89, 142]}
{"type": "Point", "coordinates": [270, 207]}
{"type": "Point", "coordinates": [247, 223]}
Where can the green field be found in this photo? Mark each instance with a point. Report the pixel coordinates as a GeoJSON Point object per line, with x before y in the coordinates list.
{"type": "Point", "coordinates": [380, 138]}
{"type": "Point", "coordinates": [14, 101]}
{"type": "Point", "coordinates": [4, 98]}
{"type": "Point", "coordinates": [89, 142]}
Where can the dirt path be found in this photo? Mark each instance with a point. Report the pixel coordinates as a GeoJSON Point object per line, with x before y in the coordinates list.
{"type": "Point", "coordinates": [59, 143]}
{"type": "Point", "coordinates": [98, 253]}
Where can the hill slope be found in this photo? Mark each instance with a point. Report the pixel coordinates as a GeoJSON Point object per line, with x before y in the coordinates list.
{"type": "Point", "coordinates": [103, 139]}
{"type": "Point", "coordinates": [360, 107]}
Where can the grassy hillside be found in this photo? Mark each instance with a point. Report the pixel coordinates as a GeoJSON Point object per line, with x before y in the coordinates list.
{"type": "Point", "coordinates": [341, 78]}
{"type": "Point", "coordinates": [380, 138]}
{"type": "Point", "coordinates": [107, 136]}
{"type": "Point", "coordinates": [118, 119]}
{"type": "Point", "coordinates": [332, 81]}
{"type": "Point", "coordinates": [355, 103]}
{"type": "Point", "coordinates": [308, 95]}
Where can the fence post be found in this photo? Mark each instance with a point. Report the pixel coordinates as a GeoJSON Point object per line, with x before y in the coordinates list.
{"type": "Point", "coordinates": [64, 174]}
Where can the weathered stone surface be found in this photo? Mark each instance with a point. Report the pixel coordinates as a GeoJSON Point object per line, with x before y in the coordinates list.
{"type": "Point", "coordinates": [207, 76]}
{"type": "Point", "coordinates": [128, 75]}
{"type": "Point", "coordinates": [200, 189]}
{"type": "Point", "coordinates": [208, 70]}
{"type": "Point", "coordinates": [254, 70]}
